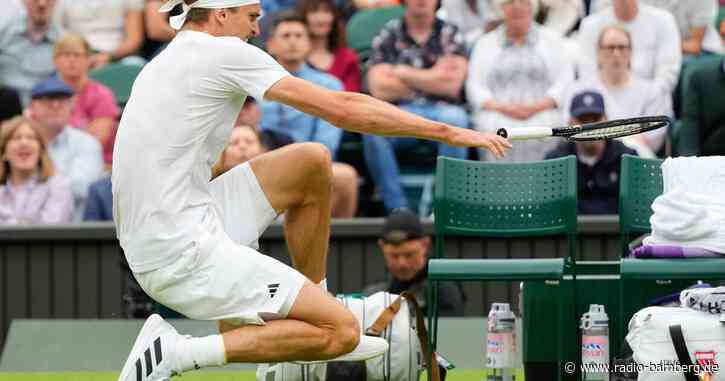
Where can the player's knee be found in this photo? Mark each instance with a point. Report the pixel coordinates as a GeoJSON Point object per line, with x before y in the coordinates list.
{"type": "Point", "coordinates": [348, 334]}
{"type": "Point", "coordinates": [319, 159]}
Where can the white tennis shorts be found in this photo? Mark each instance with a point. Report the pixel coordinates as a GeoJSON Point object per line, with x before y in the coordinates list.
{"type": "Point", "coordinates": [221, 277]}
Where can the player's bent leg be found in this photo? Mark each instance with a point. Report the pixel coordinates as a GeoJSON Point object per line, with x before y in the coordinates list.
{"type": "Point", "coordinates": [298, 179]}
{"type": "Point", "coordinates": [317, 328]}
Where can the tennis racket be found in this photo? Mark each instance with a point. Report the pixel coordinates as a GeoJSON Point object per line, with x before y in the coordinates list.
{"type": "Point", "coordinates": [590, 131]}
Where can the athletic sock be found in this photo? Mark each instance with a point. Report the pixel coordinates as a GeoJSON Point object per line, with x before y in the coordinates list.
{"type": "Point", "coordinates": [200, 352]}
{"type": "Point", "coordinates": [323, 284]}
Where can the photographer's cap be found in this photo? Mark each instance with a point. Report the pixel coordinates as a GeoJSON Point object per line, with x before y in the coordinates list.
{"type": "Point", "coordinates": [402, 225]}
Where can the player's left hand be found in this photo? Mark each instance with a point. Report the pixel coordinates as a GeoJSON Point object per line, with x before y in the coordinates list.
{"type": "Point", "coordinates": [462, 137]}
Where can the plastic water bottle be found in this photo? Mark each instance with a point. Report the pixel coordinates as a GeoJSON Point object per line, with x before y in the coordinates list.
{"type": "Point", "coordinates": [500, 343]}
{"type": "Point", "coordinates": [595, 342]}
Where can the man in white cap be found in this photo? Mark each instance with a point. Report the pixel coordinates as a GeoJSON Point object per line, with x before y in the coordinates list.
{"type": "Point", "coordinates": [189, 232]}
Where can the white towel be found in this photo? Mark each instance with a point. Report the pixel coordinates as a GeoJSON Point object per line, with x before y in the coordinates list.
{"type": "Point", "coordinates": [691, 210]}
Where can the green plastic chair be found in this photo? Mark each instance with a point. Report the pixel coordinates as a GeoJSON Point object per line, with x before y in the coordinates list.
{"type": "Point", "coordinates": [645, 279]}
{"type": "Point", "coordinates": [484, 199]}
{"type": "Point", "coordinates": [365, 25]}
{"type": "Point", "coordinates": [119, 77]}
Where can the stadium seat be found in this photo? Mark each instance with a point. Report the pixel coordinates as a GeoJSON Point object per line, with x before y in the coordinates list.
{"type": "Point", "coordinates": [119, 77]}
{"type": "Point", "coordinates": [483, 199]}
{"type": "Point", "coordinates": [365, 25]}
{"type": "Point", "coordinates": [643, 280]}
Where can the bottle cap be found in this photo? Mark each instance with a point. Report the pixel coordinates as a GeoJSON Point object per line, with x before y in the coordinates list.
{"type": "Point", "coordinates": [595, 318]}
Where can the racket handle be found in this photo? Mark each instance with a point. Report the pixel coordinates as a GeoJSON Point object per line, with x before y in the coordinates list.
{"type": "Point", "coordinates": [523, 133]}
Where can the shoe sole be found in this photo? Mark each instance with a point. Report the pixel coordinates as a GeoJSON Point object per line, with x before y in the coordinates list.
{"type": "Point", "coordinates": [358, 357]}
{"type": "Point", "coordinates": [148, 326]}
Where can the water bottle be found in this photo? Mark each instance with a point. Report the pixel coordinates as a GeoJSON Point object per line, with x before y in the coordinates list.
{"type": "Point", "coordinates": [500, 343]}
{"type": "Point", "coordinates": [595, 343]}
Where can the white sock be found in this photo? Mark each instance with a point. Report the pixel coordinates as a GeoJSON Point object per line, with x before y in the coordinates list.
{"type": "Point", "coordinates": [200, 352]}
{"type": "Point", "coordinates": [323, 284]}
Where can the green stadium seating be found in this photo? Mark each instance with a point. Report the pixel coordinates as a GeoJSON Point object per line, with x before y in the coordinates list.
{"type": "Point", "coordinates": [365, 25]}
{"type": "Point", "coordinates": [119, 77]}
{"type": "Point", "coordinates": [645, 279]}
{"type": "Point", "coordinates": [484, 199]}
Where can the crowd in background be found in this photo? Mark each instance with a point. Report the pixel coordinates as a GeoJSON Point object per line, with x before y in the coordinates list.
{"type": "Point", "coordinates": [480, 64]}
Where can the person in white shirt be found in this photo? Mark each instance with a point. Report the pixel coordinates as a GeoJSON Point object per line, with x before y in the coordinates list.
{"type": "Point", "coordinates": [625, 94]}
{"type": "Point", "coordinates": [655, 41]}
{"type": "Point", "coordinates": [188, 230]}
{"type": "Point", "coordinates": [695, 21]}
{"type": "Point", "coordinates": [514, 76]}
{"type": "Point", "coordinates": [113, 28]}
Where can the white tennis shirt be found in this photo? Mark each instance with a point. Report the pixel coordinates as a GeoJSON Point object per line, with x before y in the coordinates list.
{"type": "Point", "coordinates": [176, 124]}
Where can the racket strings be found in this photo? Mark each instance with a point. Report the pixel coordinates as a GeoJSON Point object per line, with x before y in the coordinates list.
{"type": "Point", "coordinates": [611, 131]}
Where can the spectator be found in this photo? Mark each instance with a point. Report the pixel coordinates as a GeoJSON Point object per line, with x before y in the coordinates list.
{"type": "Point", "coordinates": [598, 161]}
{"type": "Point", "coordinates": [695, 21]}
{"type": "Point", "coordinates": [113, 28]}
{"type": "Point", "coordinates": [655, 41]}
{"type": "Point", "coordinates": [272, 7]}
{"type": "Point", "coordinates": [251, 115]}
{"type": "Point", "coordinates": [99, 206]}
{"type": "Point", "coordinates": [157, 23]}
{"type": "Point", "coordinates": [405, 249]}
{"type": "Point", "coordinates": [702, 130]}
{"type": "Point", "coordinates": [515, 73]}
{"type": "Point", "coordinates": [328, 52]}
{"type": "Point", "coordinates": [27, 36]}
{"type": "Point", "coordinates": [558, 16]}
{"type": "Point", "coordinates": [75, 153]}
{"type": "Point", "coordinates": [94, 105]}
{"type": "Point", "coordinates": [244, 145]}
{"type": "Point", "coordinates": [419, 63]}
{"type": "Point", "coordinates": [10, 105]}
{"type": "Point", "coordinates": [469, 16]}
{"type": "Point", "coordinates": [626, 95]}
{"type": "Point", "coordinates": [30, 190]}
{"type": "Point", "coordinates": [289, 43]}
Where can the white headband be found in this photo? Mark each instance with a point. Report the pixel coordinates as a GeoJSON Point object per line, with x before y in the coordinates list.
{"type": "Point", "coordinates": [177, 21]}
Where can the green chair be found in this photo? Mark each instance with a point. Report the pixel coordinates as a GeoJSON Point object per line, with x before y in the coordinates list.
{"type": "Point", "coordinates": [484, 199]}
{"type": "Point", "coordinates": [645, 279]}
{"type": "Point", "coordinates": [365, 25]}
{"type": "Point", "coordinates": [119, 77]}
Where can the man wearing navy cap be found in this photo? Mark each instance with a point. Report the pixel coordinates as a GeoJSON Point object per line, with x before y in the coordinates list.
{"type": "Point", "coordinates": [75, 153]}
{"type": "Point", "coordinates": [598, 161]}
{"type": "Point", "coordinates": [405, 249]}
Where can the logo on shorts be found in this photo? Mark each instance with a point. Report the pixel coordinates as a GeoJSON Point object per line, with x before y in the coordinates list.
{"type": "Point", "coordinates": [273, 289]}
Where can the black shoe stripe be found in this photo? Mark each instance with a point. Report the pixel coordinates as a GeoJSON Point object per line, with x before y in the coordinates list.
{"type": "Point", "coordinates": [149, 366]}
{"type": "Point", "coordinates": [157, 350]}
{"type": "Point", "coordinates": [139, 376]}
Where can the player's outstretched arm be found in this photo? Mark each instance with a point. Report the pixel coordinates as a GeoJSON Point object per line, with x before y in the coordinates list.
{"type": "Point", "coordinates": [362, 113]}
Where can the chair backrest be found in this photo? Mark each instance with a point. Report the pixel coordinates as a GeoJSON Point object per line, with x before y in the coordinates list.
{"type": "Point", "coordinates": [119, 77]}
{"type": "Point", "coordinates": [365, 25]}
{"type": "Point", "coordinates": [640, 183]}
{"type": "Point", "coordinates": [489, 199]}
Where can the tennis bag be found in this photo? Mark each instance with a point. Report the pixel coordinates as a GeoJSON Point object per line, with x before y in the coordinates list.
{"type": "Point", "coordinates": [663, 336]}
{"type": "Point", "coordinates": [384, 315]}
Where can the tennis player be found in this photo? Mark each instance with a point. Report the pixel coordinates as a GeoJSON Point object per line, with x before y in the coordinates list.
{"type": "Point", "coordinates": [190, 233]}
